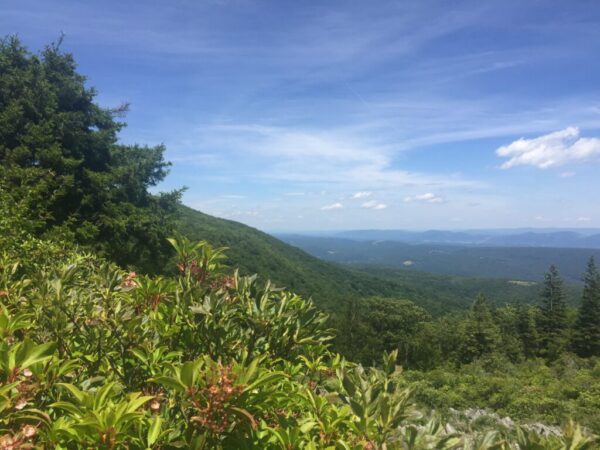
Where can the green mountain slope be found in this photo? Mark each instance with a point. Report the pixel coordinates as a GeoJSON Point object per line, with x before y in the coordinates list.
{"type": "Point", "coordinates": [331, 285]}
{"type": "Point", "coordinates": [253, 251]}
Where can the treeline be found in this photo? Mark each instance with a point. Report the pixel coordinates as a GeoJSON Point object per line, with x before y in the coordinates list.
{"type": "Point", "coordinates": [516, 332]}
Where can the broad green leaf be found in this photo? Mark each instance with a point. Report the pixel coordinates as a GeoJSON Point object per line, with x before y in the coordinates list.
{"type": "Point", "coordinates": [37, 354]}
{"type": "Point", "coordinates": [154, 430]}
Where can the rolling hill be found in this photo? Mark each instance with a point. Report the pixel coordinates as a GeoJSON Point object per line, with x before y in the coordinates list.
{"type": "Point", "coordinates": [330, 284]}
{"type": "Point", "coordinates": [253, 251]}
{"type": "Point", "coordinates": [519, 263]}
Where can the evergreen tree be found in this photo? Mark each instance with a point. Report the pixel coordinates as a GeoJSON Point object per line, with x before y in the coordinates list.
{"type": "Point", "coordinates": [553, 315]}
{"type": "Point", "coordinates": [586, 338]}
{"type": "Point", "coordinates": [508, 319]}
{"type": "Point", "coordinates": [528, 331]}
{"type": "Point", "coordinates": [481, 333]}
{"type": "Point", "coordinates": [60, 149]}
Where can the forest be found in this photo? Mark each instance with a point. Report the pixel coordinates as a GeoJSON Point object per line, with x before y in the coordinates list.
{"type": "Point", "coordinates": [124, 324]}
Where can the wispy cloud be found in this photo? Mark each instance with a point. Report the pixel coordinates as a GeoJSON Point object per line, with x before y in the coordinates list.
{"type": "Point", "coordinates": [338, 157]}
{"type": "Point", "coordinates": [426, 198]}
{"type": "Point", "coordinates": [551, 150]}
{"type": "Point", "coordinates": [332, 207]}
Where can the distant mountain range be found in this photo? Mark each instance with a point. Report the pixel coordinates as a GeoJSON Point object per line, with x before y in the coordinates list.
{"type": "Point", "coordinates": [558, 238]}
{"type": "Point", "coordinates": [332, 285]}
{"type": "Point", "coordinates": [513, 257]}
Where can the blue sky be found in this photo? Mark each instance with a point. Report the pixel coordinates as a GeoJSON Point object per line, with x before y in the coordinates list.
{"type": "Point", "coordinates": [322, 115]}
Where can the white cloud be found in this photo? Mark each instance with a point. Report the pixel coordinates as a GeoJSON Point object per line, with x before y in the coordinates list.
{"type": "Point", "coordinates": [429, 197]}
{"type": "Point", "coordinates": [373, 204]}
{"type": "Point", "coordinates": [345, 157]}
{"type": "Point", "coordinates": [425, 197]}
{"type": "Point", "coordinates": [567, 174]}
{"type": "Point", "coordinates": [550, 150]}
{"type": "Point", "coordinates": [583, 219]}
{"type": "Point", "coordinates": [332, 207]}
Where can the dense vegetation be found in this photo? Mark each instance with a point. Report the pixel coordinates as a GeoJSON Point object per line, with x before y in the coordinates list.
{"type": "Point", "coordinates": [59, 157]}
{"type": "Point", "coordinates": [332, 286]}
{"type": "Point", "coordinates": [499, 392]}
{"type": "Point", "coordinates": [514, 331]}
{"type": "Point", "coordinates": [95, 355]}
{"type": "Point", "coordinates": [253, 251]}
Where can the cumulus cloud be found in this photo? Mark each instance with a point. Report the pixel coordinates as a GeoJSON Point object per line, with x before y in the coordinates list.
{"type": "Point", "coordinates": [429, 197]}
{"type": "Point", "coordinates": [373, 204]}
{"type": "Point", "coordinates": [363, 194]}
{"type": "Point", "coordinates": [550, 150]}
{"type": "Point", "coordinates": [332, 207]}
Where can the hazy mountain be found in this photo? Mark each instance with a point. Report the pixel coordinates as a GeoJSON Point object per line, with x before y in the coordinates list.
{"type": "Point", "coordinates": [516, 262]}
{"type": "Point", "coordinates": [564, 238]}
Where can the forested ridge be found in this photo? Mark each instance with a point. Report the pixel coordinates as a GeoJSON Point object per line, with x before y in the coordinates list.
{"type": "Point", "coordinates": [331, 285]}
{"type": "Point", "coordinates": [124, 324]}
{"type": "Point", "coordinates": [513, 263]}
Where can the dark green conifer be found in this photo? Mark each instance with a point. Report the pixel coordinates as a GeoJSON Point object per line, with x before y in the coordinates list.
{"type": "Point", "coordinates": [59, 149]}
{"type": "Point", "coordinates": [554, 323]}
{"type": "Point", "coordinates": [528, 331]}
{"type": "Point", "coordinates": [586, 336]}
{"type": "Point", "coordinates": [481, 333]}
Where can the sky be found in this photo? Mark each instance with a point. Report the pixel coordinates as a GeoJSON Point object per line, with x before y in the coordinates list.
{"type": "Point", "coordinates": [328, 115]}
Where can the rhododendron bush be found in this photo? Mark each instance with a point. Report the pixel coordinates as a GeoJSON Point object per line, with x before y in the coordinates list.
{"type": "Point", "coordinates": [93, 356]}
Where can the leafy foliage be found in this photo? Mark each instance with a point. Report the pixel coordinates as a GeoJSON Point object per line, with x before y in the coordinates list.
{"type": "Point", "coordinates": [94, 356]}
{"type": "Point", "coordinates": [61, 161]}
{"type": "Point", "coordinates": [530, 391]}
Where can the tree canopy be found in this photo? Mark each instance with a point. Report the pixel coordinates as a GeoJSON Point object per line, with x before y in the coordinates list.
{"type": "Point", "coordinates": [59, 149]}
